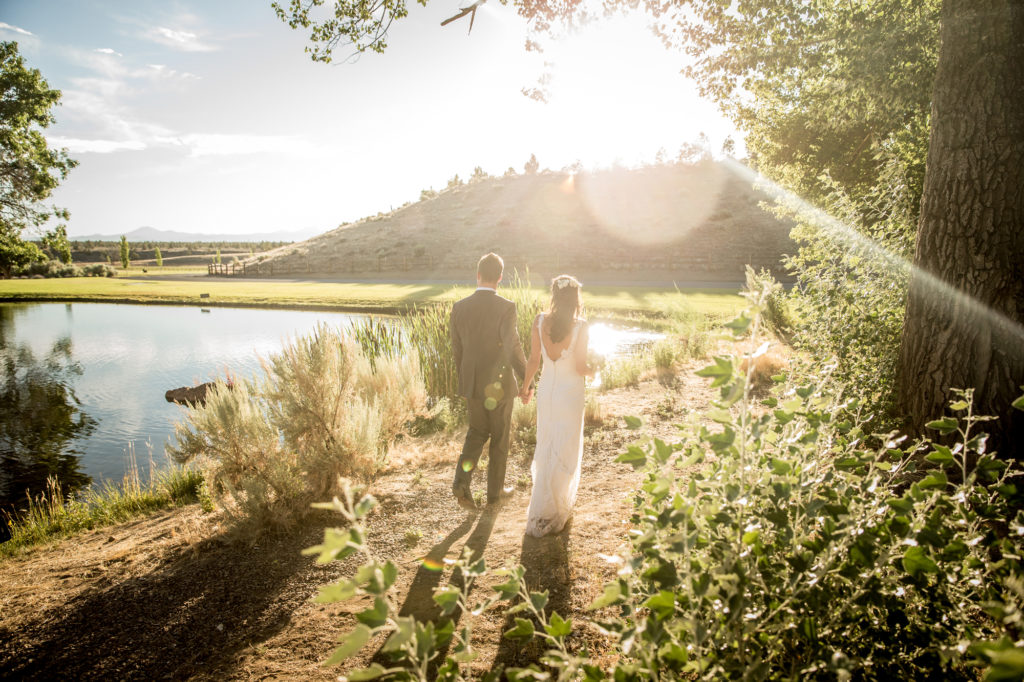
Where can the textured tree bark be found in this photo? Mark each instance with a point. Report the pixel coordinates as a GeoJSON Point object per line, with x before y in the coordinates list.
{"type": "Point", "coordinates": [965, 307]}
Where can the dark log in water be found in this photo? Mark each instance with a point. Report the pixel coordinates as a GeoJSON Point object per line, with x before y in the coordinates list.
{"type": "Point", "coordinates": [191, 395]}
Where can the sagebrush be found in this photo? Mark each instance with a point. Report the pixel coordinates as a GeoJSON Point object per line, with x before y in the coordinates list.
{"type": "Point", "coordinates": [320, 411]}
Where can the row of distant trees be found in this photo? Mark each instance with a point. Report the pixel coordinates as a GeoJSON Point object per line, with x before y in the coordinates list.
{"type": "Point", "coordinates": [92, 250]}
{"type": "Point", "coordinates": [688, 153]}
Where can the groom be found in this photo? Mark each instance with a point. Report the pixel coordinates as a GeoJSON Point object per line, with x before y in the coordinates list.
{"type": "Point", "coordinates": [489, 357]}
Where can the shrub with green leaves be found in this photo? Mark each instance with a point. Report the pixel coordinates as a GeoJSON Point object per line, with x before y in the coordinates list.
{"type": "Point", "coordinates": [853, 270]}
{"type": "Point", "coordinates": [415, 650]}
{"type": "Point", "coordinates": [777, 316]}
{"type": "Point", "coordinates": [411, 648]}
{"type": "Point", "coordinates": [321, 411]}
{"type": "Point", "coordinates": [777, 545]}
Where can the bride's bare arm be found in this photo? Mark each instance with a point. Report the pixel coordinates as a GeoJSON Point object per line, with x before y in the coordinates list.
{"type": "Point", "coordinates": [533, 364]}
{"type": "Point", "coordinates": [581, 352]}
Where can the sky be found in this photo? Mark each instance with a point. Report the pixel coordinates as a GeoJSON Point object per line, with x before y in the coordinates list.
{"type": "Point", "coordinates": [209, 117]}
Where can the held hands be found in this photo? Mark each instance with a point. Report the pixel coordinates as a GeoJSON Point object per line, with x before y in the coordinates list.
{"type": "Point", "coordinates": [526, 394]}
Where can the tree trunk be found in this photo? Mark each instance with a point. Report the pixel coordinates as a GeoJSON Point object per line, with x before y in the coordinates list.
{"type": "Point", "coordinates": [966, 300]}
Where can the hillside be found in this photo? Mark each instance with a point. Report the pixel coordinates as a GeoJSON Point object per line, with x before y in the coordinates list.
{"type": "Point", "coordinates": [679, 222]}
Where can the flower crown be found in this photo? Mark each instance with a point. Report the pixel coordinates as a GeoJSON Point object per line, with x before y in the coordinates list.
{"type": "Point", "coordinates": [563, 282]}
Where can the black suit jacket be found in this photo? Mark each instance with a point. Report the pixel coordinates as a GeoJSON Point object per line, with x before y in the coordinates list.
{"type": "Point", "coordinates": [488, 353]}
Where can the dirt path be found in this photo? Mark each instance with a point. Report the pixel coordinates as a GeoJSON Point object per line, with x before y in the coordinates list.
{"type": "Point", "coordinates": [175, 597]}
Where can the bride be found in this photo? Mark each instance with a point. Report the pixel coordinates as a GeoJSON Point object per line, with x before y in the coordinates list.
{"type": "Point", "coordinates": [561, 336]}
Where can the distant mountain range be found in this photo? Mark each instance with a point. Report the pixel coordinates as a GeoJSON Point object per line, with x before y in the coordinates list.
{"type": "Point", "coordinates": [151, 234]}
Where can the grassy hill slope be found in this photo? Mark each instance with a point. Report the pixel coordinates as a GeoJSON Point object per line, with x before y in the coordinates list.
{"type": "Point", "coordinates": [676, 222]}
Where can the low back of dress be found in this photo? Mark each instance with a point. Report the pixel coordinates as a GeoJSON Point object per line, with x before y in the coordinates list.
{"type": "Point", "coordinates": [559, 451]}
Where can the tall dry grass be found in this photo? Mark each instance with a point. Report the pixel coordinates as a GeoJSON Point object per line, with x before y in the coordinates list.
{"type": "Point", "coordinates": [321, 411]}
{"type": "Point", "coordinates": [426, 332]}
{"type": "Point", "coordinates": [53, 515]}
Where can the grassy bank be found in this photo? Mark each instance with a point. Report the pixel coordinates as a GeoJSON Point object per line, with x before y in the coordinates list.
{"type": "Point", "coordinates": [368, 297]}
{"type": "Point", "coordinates": [52, 516]}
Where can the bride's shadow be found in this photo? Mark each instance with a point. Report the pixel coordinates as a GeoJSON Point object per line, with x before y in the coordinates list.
{"type": "Point", "coordinates": [546, 560]}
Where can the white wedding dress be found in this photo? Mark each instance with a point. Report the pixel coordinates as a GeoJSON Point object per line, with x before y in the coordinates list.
{"type": "Point", "coordinates": [559, 452]}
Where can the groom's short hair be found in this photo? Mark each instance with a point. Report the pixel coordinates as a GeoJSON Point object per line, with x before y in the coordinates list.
{"type": "Point", "coordinates": [490, 267]}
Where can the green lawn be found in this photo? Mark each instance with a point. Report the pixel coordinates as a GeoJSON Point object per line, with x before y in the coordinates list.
{"type": "Point", "coordinates": [380, 297]}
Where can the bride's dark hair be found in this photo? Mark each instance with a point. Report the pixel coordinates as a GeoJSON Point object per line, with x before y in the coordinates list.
{"type": "Point", "coordinates": [566, 305]}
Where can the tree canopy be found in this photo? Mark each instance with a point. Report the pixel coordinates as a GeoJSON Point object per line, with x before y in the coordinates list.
{"type": "Point", "coordinates": [29, 169]}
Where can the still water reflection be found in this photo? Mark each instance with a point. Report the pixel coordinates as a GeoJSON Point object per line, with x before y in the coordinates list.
{"type": "Point", "coordinates": [41, 419]}
{"type": "Point", "coordinates": [82, 381]}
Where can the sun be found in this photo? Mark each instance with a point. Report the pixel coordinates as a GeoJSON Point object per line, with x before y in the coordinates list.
{"type": "Point", "coordinates": [615, 95]}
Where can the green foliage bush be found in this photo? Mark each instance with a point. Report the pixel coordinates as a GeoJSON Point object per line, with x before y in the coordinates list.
{"type": "Point", "coordinates": [796, 551]}
{"type": "Point", "coordinates": [55, 268]}
{"type": "Point", "coordinates": [852, 275]}
{"type": "Point", "coordinates": [665, 353]}
{"type": "Point", "coordinates": [98, 270]}
{"type": "Point", "coordinates": [51, 268]}
{"type": "Point", "coordinates": [321, 411]}
{"type": "Point", "coordinates": [777, 316]}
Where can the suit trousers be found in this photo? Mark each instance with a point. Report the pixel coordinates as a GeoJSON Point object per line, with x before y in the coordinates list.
{"type": "Point", "coordinates": [484, 425]}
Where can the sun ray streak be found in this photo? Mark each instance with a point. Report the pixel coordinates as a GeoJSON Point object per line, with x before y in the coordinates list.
{"type": "Point", "coordinates": [853, 239]}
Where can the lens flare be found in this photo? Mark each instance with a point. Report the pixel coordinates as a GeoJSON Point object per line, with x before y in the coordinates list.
{"type": "Point", "coordinates": [432, 564]}
{"type": "Point", "coordinates": [656, 205]}
{"type": "Point", "coordinates": [467, 466]}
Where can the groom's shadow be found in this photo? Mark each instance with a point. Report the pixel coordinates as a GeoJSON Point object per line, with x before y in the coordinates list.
{"type": "Point", "coordinates": [419, 601]}
{"type": "Point", "coordinates": [546, 560]}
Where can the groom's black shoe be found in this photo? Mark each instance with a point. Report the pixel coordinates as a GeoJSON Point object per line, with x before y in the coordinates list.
{"type": "Point", "coordinates": [463, 496]}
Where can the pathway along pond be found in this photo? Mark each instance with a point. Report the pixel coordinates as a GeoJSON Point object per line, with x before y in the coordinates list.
{"type": "Point", "coordinates": [83, 384]}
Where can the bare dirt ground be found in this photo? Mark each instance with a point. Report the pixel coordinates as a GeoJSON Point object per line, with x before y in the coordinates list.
{"type": "Point", "coordinates": [176, 596]}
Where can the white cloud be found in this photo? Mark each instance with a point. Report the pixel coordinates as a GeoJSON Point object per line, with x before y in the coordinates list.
{"type": "Point", "coordinates": [96, 114]}
{"type": "Point", "coordinates": [161, 71]}
{"type": "Point", "coordinates": [79, 146]}
{"type": "Point", "coordinates": [14, 29]}
{"type": "Point", "coordinates": [179, 40]}
{"type": "Point", "coordinates": [219, 144]}
{"type": "Point", "coordinates": [107, 50]}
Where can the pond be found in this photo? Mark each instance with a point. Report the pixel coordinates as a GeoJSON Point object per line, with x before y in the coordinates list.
{"type": "Point", "coordinates": [82, 385]}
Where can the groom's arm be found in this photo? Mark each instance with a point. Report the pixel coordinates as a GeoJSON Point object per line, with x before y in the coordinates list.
{"type": "Point", "coordinates": [510, 339]}
{"type": "Point", "coordinates": [456, 341]}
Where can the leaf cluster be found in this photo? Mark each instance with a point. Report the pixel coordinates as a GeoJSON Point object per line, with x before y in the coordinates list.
{"type": "Point", "coordinates": [361, 24]}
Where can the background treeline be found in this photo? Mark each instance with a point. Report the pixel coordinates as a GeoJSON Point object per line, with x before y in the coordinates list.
{"type": "Point", "coordinates": [183, 253]}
